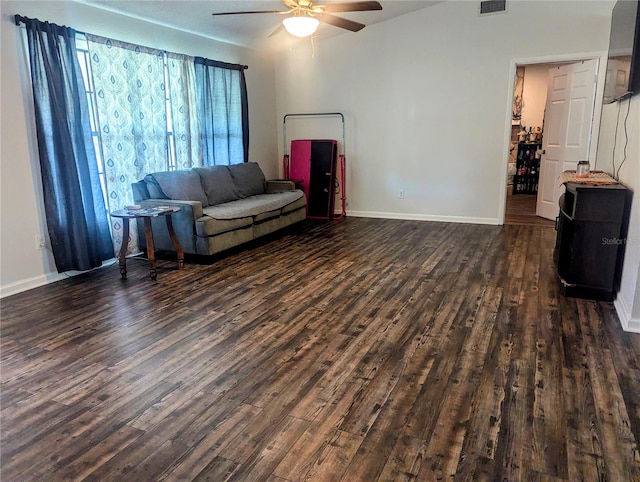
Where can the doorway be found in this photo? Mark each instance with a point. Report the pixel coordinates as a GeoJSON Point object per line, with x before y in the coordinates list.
{"type": "Point", "coordinates": [529, 96]}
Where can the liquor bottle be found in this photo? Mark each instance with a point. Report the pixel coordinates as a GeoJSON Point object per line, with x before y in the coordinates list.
{"type": "Point", "coordinates": [522, 135]}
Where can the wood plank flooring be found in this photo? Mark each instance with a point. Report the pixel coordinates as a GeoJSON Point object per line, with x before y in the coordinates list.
{"type": "Point", "coordinates": [521, 210]}
{"type": "Point", "coordinates": [359, 350]}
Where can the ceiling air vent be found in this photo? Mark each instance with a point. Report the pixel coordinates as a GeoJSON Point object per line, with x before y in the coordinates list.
{"type": "Point", "coordinates": [489, 7]}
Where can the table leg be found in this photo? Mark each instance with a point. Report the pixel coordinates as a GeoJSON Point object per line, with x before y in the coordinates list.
{"type": "Point", "coordinates": [176, 243]}
{"type": "Point", "coordinates": [151, 252]}
{"type": "Point", "coordinates": [122, 256]}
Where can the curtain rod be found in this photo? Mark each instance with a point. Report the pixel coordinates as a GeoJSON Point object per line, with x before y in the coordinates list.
{"type": "Point", "coordinates": [19, 19]}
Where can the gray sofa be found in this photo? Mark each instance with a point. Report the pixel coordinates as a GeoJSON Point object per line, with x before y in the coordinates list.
{"type": "Point", "coordinates": [220, 206]}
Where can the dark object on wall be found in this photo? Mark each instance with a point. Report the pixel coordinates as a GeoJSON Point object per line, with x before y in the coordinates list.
{"type": "Point", "coordinates": [488, 7]}
{"type": "Point", "coordinates": [591, 237]}
{"type": "Point", "coordinates": [313, 168]}
{"type": "Point", "coordinates": [623, 64]}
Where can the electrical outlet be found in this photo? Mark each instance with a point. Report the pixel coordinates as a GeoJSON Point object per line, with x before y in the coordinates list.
{"type": "Point", "coordinates": [401, 194]}
{"type": "Point", "coordinates": [39, 241]}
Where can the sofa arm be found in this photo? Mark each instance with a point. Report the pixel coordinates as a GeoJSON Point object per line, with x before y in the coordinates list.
{"type": "Point", "coordinates": [278, 185]}
{"type": "Point", "coordinates": [140, 191]}
{"type": "Point", "coordinates": [184, 224]}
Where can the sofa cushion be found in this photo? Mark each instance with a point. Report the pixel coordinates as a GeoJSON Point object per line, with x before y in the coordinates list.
{"type": "Point", "coordinates": [208, 226]}
{"type": "Point", "coordinates": [218, 184]}
{"type": "Point", "coordinates": [299, 203]}
{"type": "Point", "coordinates": [184, 185]}
{"type": "Point", "coordinates": [267, 215]}
{"type": "Point", "coordinates": [276, 185]}
{"type": "Point", "coordinates": [248, 178]}
{"type": "Point", "coordinates": [253, 205]}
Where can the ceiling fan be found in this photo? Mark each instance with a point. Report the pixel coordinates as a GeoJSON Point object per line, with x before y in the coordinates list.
{"type": "Point", "coordinates": [305, 16]}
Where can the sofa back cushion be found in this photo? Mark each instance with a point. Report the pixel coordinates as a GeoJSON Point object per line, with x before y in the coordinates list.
{"type": "Point", "coordinates": [217, 184]}
{"type": "Point", "coordinates": [183, 185]}
{"type": "Point", "coordinates": [248, 178]}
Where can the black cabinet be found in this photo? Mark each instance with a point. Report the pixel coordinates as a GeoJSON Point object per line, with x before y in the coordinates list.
{"type": "Point", "coordinates": [590, 240]}
{"type": "Point", "coordinates": [525, 180]}
{"type": "Point", "coordinates": [313, 168]}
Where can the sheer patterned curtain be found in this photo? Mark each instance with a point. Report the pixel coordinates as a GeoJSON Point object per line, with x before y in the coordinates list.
{"type": "Point", "coordinates": [131, 102]}
{"type": "Point", "coordinates": [184, 111]}
{"type": "Point", "coordinates": [77, 220]}
{"type": "Point", "coordinates": [223, 110]}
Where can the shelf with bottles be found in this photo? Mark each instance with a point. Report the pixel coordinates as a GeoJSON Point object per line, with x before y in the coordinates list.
{"type": "Point", "coordinates": [525, 180]}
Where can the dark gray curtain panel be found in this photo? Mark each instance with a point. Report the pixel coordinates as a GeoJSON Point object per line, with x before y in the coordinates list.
{"type": "Point", "coordinates": [223, 110]}
{"type": "Point", "coordinates": [77, 220]}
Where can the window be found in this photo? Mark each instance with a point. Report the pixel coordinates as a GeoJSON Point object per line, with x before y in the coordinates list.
{"type": "Point", "coordinates": [85, 67]}
{"type": "Point", "coordinates": [87, 76]}
{"type": "Point", "coordinates": [212, 111]}
{"type": "Point", "coordinates": [171, 145]}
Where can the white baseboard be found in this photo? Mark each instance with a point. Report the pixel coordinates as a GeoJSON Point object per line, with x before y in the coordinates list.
{"type": "Point", "coordinates": [423, 217]}
{"type": "Point", "coordinates": [45, 279]}
{"type": "Point", "coordinates": [627, 322]}
{"type": "Point", "coordinates": [28, 284]}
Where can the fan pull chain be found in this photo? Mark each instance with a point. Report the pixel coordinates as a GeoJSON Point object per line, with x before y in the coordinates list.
{"type": "Point", "coordinates": [313, 46]}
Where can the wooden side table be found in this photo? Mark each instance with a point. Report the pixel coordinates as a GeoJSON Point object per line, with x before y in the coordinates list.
{"type": "Point", "coordinates": [146, 214]}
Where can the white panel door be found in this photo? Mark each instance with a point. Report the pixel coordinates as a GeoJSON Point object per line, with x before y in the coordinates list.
{"type": "Point", "coordinates": [567, 132]}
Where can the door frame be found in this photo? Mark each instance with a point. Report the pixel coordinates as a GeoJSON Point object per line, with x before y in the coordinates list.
{"type": "Point", "coordinates": [595, 122]}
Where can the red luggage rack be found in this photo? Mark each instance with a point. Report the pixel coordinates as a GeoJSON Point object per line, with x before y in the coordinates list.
{"type": "Point", "coordinates": [340, 181]}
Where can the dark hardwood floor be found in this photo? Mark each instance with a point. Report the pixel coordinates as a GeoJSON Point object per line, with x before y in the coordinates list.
{"type": "Point", "coordinates": [521, 210]}
{"type": "Point", "coordinates": [359, 350]}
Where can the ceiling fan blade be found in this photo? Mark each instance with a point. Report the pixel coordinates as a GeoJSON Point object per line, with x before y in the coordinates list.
{"type": "Point", "coordinates": [278, 29]}
{"type": "Point", "coordinates": [349, 7]}
{"type": "Point", "coordinates": [339, 22]}
{"type": "Point", "coordinates": [281, 12]}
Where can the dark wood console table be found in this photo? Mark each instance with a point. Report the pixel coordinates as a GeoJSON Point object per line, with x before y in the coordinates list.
{"type": "Point", "coordinates": [591, 239]}
{"type": "Point", "coordinates": [146, 214]}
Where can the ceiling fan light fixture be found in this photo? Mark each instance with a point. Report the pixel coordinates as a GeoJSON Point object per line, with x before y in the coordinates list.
{"type": "Point", "coordinates": [301, 26]}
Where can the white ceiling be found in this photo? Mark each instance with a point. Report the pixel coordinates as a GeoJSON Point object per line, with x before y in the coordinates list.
{"type": "Point", "coordinates": [194, 16]}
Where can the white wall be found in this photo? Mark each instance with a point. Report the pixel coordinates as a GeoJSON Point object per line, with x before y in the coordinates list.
{"type": "Point", "coordinates": [427, 100]}
{"type": "Point", "coordinates": [22, 212]}
{"type": "Point", "coordinates": [534, 94]}
{"type": "Point", "coordinates": [628, 299]}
